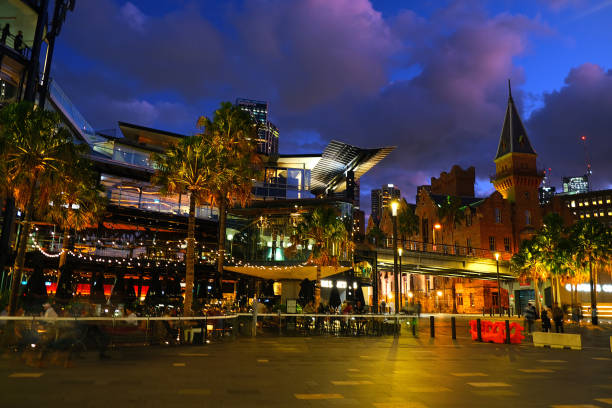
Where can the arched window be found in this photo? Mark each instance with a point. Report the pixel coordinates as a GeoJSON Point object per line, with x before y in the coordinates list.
{"type": "Point", "coordinates": [527, 217]}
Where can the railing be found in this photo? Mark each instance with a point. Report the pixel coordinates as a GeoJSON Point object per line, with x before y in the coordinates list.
{"type": "Point", "coordinates": [446, 249]}
{"type": "Point", "coordinates": [25, 51]}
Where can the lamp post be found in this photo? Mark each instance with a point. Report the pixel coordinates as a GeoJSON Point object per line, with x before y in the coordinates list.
{"type": "Point", "coordinates": [436, 226]}
{"type": "Point", "coordinates": [394, 205]}
{"type": "Point", "coordinates": [399, 252]}
{"type": "Point", "coordinates": [498, 284]}
{"type": "Point", "coordinates": [439, 293]}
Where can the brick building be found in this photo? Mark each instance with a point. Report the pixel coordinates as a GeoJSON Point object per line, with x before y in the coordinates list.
{"type": "Point", "coordinates": [499, 222]}
{"type": "Point", "coordinates": [489, 225]}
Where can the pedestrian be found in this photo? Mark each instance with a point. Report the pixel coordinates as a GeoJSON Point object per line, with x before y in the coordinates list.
{"type": "Point", "coordinates": [577, 314]}
{"type": "Point", "coordinates": [383, 307]}
{"type": "Point", "coordinates": [6, 31]}
{"type": "Point", "coordinates": [131, 318]}
{"type": "Point", "coordinates": [530, 314]}
{"type": "Point", "coordinates": [545, 321]}
{"type": "Point", "coordinates": [418, 309]}
{"type": "Point", "coordinates": [49, 311]}
{"type": "Point", "coordinates": [557, 315]}
{"type": "Point", "coordinates": [18, 41]}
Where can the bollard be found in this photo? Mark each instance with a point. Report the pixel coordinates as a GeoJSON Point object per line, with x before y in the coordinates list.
{"type": "Point", "coordinates": [507, 331]}
{"type": "Point", "coordinates": [478, 329]}
{"type": "Point", "coordinates": [205, 330]}
{"type": "Point", "coordinates": [432, 328]}
{"type": "Point", "coordinates": [453, 328]}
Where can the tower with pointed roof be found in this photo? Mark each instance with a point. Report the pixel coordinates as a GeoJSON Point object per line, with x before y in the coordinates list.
{"type": "Point", "coordinates": [516, 174]}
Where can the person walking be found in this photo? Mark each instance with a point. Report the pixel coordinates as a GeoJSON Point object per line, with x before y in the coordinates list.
{"type": "Point", "coordinates": [530, 314]}
{"type": "Point", "coordinates": [18, 42]}
{"type": "Point", "coordinates": [6, 31]}
{"type": "Point", "coordinates": [545, 321]}
{"type": "Point", "coordinates": [557, 314]}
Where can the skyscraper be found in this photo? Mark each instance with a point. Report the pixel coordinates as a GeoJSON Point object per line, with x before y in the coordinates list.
{"type": "Point", "coordinates": [267, 132]}
{"type": "Point", "coordinates": [576, 185]}
{"type": "Point", "coordinates": [381, 199]}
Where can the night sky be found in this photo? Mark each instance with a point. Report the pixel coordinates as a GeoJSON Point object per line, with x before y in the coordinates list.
{"type": "Point", "coordinates": [427, 76]}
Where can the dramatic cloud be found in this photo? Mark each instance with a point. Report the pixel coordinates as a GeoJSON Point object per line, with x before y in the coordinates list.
{"type": "Point", "coordinates": [435, 86]}
{"type": "Point", "coordinates": [581, 107]}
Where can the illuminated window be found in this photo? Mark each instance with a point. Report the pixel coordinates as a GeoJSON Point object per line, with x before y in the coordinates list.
{"type": "Point", "coordinates": [595, 214]}
{"type": "Point", "coordinates": [588, 215]}
{"type": "Point", "coordinates": [325, 283]}
{"type": "Point", "coordinates": [601, 214]}
{"type": "Point", "coordinates": [581, 215]}
{"type": "Point", "coordinates": [586, 203]}
{"type": "Point", "coordinates": [594, 202]}
{"type": "Point", "coordinates": [609, 213]}
{"type": "Point", "coordinates": [573, 203]}
{"type": "Point", "coordinates": [599, 201]}
{"type": "Point", "coordinates": [607, 200]}
{"type": "Point", "coordinates": [341, 284]}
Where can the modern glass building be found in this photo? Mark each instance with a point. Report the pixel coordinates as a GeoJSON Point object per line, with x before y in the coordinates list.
{"type": "Point", "coordinates": [267, 132]}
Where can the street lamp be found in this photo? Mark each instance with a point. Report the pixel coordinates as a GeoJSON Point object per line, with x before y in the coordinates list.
{"type": "Point", "coordinates": [394, 205]}
{"type": "Point", "coordinates": [436, 226]}
{"type": "Point", "coordinates": [498, 284]}
{"type": "Point", "coordinates": [439, 293]}
{"type": "Point", "coordinates": [399, 252]}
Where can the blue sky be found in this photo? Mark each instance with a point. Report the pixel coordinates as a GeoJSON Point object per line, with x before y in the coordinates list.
{"type": "Point", "coordinates": [426, 76]}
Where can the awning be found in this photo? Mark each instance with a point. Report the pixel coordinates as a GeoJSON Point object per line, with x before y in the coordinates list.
{"type": "Point", "coordinates": [286, 272]}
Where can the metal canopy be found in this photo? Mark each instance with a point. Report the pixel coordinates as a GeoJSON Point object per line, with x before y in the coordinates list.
{"type": "Point", "coordinates": [338, 158]}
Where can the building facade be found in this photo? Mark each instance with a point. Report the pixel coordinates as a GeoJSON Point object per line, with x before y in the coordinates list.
{"type": "Point", "coordinates": [576, 185]}
{"type": "Point", "coordinates": [380, 199]}
{"type": "Point", "coordinates": [267, 132]}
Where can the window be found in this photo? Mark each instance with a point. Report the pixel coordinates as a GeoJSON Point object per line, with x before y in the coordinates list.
{"type": "Point", "coordinates": [498, 217]}
{"type": "Point", "coordinates": [468, 244]}
{"type": "Point", "coordinates": [573, 203]}
{"type": "Point", "coordinates": [527, 217]}
{"type": "Point", "coordinates": [472, 304]}
{"type": "Point", "coordinates": [459, 299]}
{"type": "Point", "coordinates": [507, 244]}
{"type": "Point", "coordinates": [492, 243]}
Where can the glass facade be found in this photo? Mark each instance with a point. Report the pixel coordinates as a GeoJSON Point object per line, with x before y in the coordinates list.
{"type": "Point", "coordinates": [125, 192]}
{"type": "Point", "coordinates": [283, 183]}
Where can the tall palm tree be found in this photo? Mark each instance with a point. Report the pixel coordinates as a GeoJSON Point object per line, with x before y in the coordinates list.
{"type": "Point", "coordinates": [77, 202]}
{"type": "Point", "coordinates": [551, 249]}
{"type": "Point", "coordinates": [233, 163]}
{"type": "Point", "coordinates": [407, 221]}
{"type": "Point", "coordinates": [526, 263]}
{"type": "Point", "coordinates": [592, 246]}
{"type": "Point", "coordinates": [36, 152]}
{"type": "Point", "coordinates": [184, 169]}
{"type": "Point", "coordinates": [329, 236]}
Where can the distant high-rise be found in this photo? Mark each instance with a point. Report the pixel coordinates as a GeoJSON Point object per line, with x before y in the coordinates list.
{"type": "Point", "coordinates": [576, 185]}
{"type": "Point", "coordinates": [381, 198]}
{"type": "Point", "coordinates": [267, 132]}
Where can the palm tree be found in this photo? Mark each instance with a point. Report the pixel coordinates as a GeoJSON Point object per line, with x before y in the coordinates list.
{"type": "Point", "coordinates": [551, 249]}
{"type": "Point", "coordinates": [329, 236]}
{"type": "Point", "coordinates": [526, 263]}
{"type": "Point", "coordinates": [407, 221]}
{"type": "Point", "coordinates": [77, 202]}
{"type": "Point", "coordinates": [184, 169]}
{"type": "Point", "coordinates": [232, 161]}
{"type": "Point", "coordinates": [36, 151]}
{"type": "Point", "coordinates": [592, 246]}
{"type": "Point", "coordinates": [451, 213]}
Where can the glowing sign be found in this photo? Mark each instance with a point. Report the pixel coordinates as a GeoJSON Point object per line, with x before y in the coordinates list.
{"type": "Point", "coordinates": [585, 287]}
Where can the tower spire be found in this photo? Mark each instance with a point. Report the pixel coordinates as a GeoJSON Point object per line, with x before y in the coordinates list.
{"type": "Point", "coordinates": [509, 89]}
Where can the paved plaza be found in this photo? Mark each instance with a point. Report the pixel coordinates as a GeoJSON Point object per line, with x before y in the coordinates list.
{"type": "Point", "coordinates": [379, 372]}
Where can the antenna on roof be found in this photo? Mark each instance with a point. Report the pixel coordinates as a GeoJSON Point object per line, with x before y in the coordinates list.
{"type": "Point", "coordinates": [587, 160]}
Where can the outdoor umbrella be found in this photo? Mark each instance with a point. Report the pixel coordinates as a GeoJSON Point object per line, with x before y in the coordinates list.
{"type": "Point", "coordinates": [63, 293]}
{"type": "Point", "coordinates": [154, 295]}
{"type": "Point", "coordinates": [268, 289]}
{"type": "Point", "coordinates": [96, 294]}
{"type": "Point", "coordinates": [334, 298]}
{"type": "Point", "coordinates": [306, 291]}
{"type": "Point", "coordinates": [359, 295]}
{"type": "Point", "coordinates": [35, 293]}
{"type": "Point", "coordinates": [118, 292]}
{"type": "Point", "coordinates": [130, 293]}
